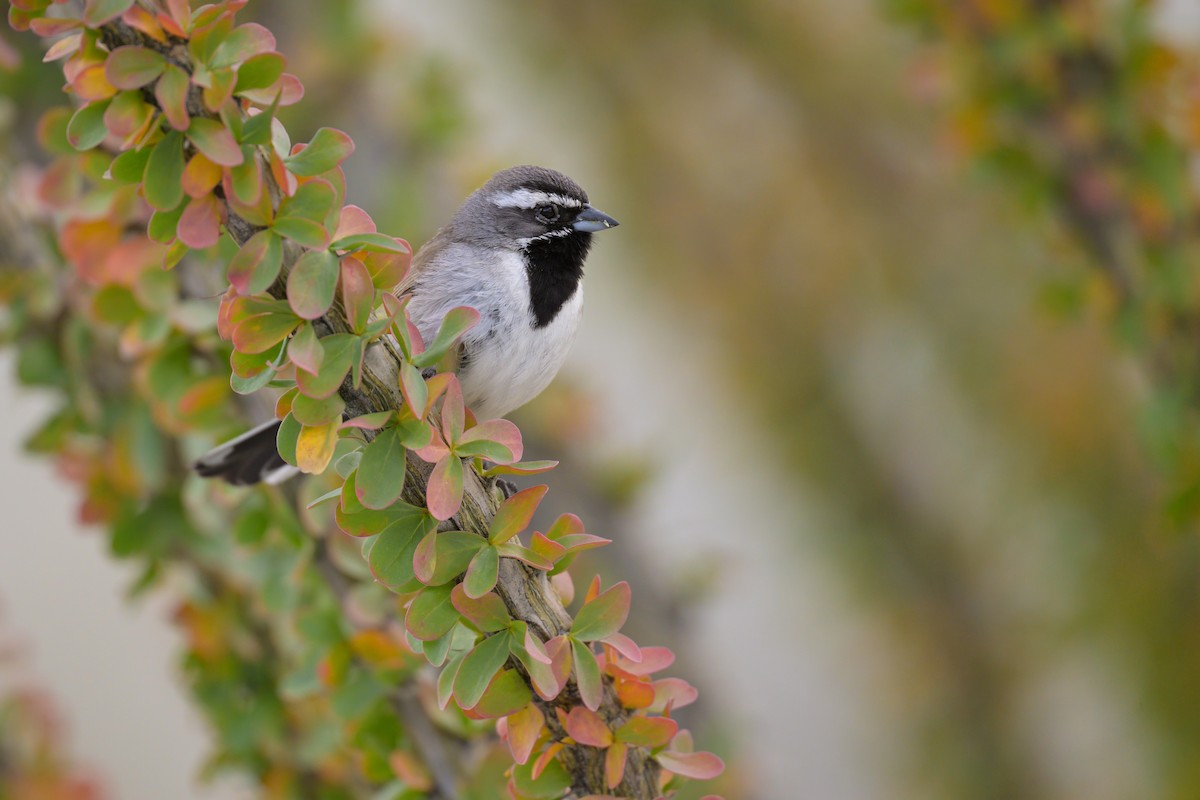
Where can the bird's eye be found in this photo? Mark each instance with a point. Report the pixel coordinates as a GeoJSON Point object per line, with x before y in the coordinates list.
{"type": "Point", "coordinates": [547, 213]}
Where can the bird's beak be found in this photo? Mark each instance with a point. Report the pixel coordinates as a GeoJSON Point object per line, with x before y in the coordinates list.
{"type": "Point", "coordinates": [591, 220]}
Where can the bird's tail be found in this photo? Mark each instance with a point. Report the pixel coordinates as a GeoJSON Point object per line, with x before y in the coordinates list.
{"type": "Point", "coordinates": [250, 458]}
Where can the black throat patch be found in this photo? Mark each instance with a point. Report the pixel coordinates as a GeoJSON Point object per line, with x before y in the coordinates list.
{"type": "Point", "coordinates": [555, 267]}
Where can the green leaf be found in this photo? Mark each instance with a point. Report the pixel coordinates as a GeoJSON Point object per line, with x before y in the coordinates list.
{"type": "Point", "coordinates": [381, 473]}
{"type": "Point", "coordinates": [587, 674]}
{"type": "Point", "coordinates": [164, 173]}
{"type": "Point", "coordinates": [456, 322]}
{"type": "Point", "coordinates": [506, 694]}
{"type": "Point", "coordinates": [478, 668]}
{"type": "Point", "coordinates": [453, 551]}
{"type": "Point", "coordinates": [86, 128]}
{"type": "Point", "coordinates": [171, 92]}
{"type": "Point", "coordinates": [431, 613]}
{"type": "Point", "coordinates": [311, 411]}
{"type": "Point", "coordinates": [497, 440]}
{"type": "Point", "coordinates": [371, 242]}
{"type": "Point", "coordinates": [604, 615]}
{"type": "Point", "coordinates": [553, 782]}
{"type": "Point", "coordinates": [163, 224]}
{"type": "Point", "coordinates": [251, 384]}
{"type": "Point", "coordinates": [215, 141]}
{"type": "Point", "coordinates": [130, 167]}
{"type": "Point", "coordinates": [329, 147]}
{"type": "Point", "coordinates": [358, 293]}
{"type": "Point", "coordinates": [445, 682]}
{"type": "Point", "coordinates": [391, 555]}
{"type": "Point", "coordinates": [515, 514]}
{"type": "Point", "coordinates": [247, 178]}
{"type": "Point", "coordinates": [412, 386]}
{"type": "Point", "coordinates": [262, 331]}
{"type": "Point", "coordinates": [98, 12]}
{"type": "Point", "coordinates": [312, 282]}
{"type": "Point", "coordinates": [341, 350]}
{"type": "Point", "coordinates": [285, 440]}
{"type": "Point", "coordinates": [651, 732]}
{"type": "Point", "coordinates": [256, 265]}
{"type": "Point", "coordinates": [487, 612]}
{"type": "Point", "coordinates": [301, 217]}
{"type": "Point", "coordinates": [259, 72]}
{"type": "Point", "coordinates": [482, 572]}
{"type": "Point", "coordinates": [132, 67]}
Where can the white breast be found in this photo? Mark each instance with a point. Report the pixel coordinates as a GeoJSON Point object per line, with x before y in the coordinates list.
{"type": "Point", "coordinates": [510, 361]}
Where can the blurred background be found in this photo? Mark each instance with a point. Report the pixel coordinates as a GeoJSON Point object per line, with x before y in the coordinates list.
{"type": "Point", "coordinates": [884, 390]}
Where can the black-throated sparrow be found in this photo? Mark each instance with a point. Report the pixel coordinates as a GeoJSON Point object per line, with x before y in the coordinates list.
{"type": "Point", "coordinates": [514, 252]}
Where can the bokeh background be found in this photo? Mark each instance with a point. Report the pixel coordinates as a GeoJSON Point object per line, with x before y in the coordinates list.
{"type": "Point", "coordinates": [867, 413]}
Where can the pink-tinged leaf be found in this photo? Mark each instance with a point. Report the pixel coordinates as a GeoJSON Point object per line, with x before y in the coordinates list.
{"type": "Point", "coordinates": [453, 413]}
{"type": "Point", "coordinates": [478, 668]}
{"type": "Point", "coordinates": [545, 759]}
{"type": "Point", "coordinates": [261, 332]}
{"type": "Point", "coordinates": [286, 91]}
{"type": "Point", "coordinates": [604, 615]}
{"type": "Point", "coordinates": [425, 558]}
{"type": "Point", "coordinates": [497, 440]}
{"type": "Point", "coordinates": [370, 422]}
{"type": "Point", "coordinates": [444, 492]}
{"type": "Point", "coordinates": [353, 220]}
{"type": "Point", "coordinates": [181, 15]}
{"type": "Point", "coordinates": [614, 765]}
{"type": "Point", "coordinates": [142, 20]}
{"type": "Point", "coordinates": [564, 587]}
{"type": "Point", "coordinates": [255, 267]}
{"type": "Point", "coordinates": [219, 89]}
{"type": "Point", "coordinates": [524, 554]}
{"type": "Point", "coordinates": [98, 12]}
{"type": "Point", "coordinates": [673, 693]}
{"type": "Point", "coordinates": [200, 225]}
{"type": "Point", "coordinates": [200, 176]}
{"type": "Point", "coordinates": [534, 647]}
{"type": "Point", "coordinates": [49, 27]}
{"type": "Point", "coordinates": [651, 732]}
{"type": "Point", "coordinates": [358, 293]}
{"type": "Point", "coordinates": [244, 42]}
{"type": "Point", "coordinates": [487, 612]}
{"type": "Point", "coordinates": [215, 141]}
{"type": "Point", "coordinates": [63, 47]}
{"type": "Point", "coordinates": [381, 471]}
{"type": "Point", "coordinates": [412, 386]}
{"type": "Point", "coordinates": [127, 115]}
{"type": "Point", "coordinates": [388, 269]}
{"type": "Point", "coordinates": [566, 524]}
{"type": "Point", "coordinates": [506, 694]}
{"type": "Point", "coordinates": [515, 514]}
{"type": "Point", "coordinates": [91, 83]}
{"type": "Point", "coordinates": [548, 549]}
{"type": "Point", "coordinates": [575, 542]}
{"type": "Point", "coordinates": [305, 349]}
{"type": "Point", "coordinates": [627, 647]}
{"type": "Point", "coordinates": [431, 614]}
{"type": "Point", "coordinates": [315, 447]}
{"type": "Point", "coordinates": [587, 674]}
{"type": "Point", "coordinates": [523, 468]}
{"type": "Point", "coordinates": [548, 682]}
{"type": "Point", "coordinates": [456, 323]}
{"type": "Point", "coordinates": [132, 67]}
{"type": "Point", "coordinates": [586, 727]}
{"type": "Point", "coordinates": [432, 451]}
{"type": "Point", "coordinates": [329, 148]}
{"type": "Point", "coordinates": [524, 729]}
{"type": "Point", "coordinates": [654, 659]}
{"type": "Point", "coordinates": [482, 572]}
{"type": "Point", "coordinates": [699, 766]}
{"type": "Point", "coordinates": [171, 92]}
{"type": "Point", "coordinates": [312, 282]}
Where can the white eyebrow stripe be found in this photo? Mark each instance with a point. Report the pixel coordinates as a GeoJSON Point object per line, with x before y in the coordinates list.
{"type": "Point", "coordinates": [528, 198]}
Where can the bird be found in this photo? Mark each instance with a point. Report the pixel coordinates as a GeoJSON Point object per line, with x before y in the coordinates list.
{"type": "Point", "coordinates": [514, 251]}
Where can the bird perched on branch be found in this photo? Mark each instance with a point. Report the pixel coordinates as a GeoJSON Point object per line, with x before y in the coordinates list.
{"type": "Point", "coordinates": [514, 252]}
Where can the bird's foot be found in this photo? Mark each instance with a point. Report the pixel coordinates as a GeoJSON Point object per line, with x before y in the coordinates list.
{"type": "Point", "coordinates": [507, 488]}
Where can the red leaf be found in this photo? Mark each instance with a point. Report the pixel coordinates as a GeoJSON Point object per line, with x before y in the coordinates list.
{"type": "Point", "coordinates": [353, 220]}
{"type": "Point", "coordinates": [586, 727]}
{"type": "Point", "coordinates": [654, 659]}
{"type": "Point", "coordinates": [624, 645]}
{"type": "Point", "coordinates": [700, 766]}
